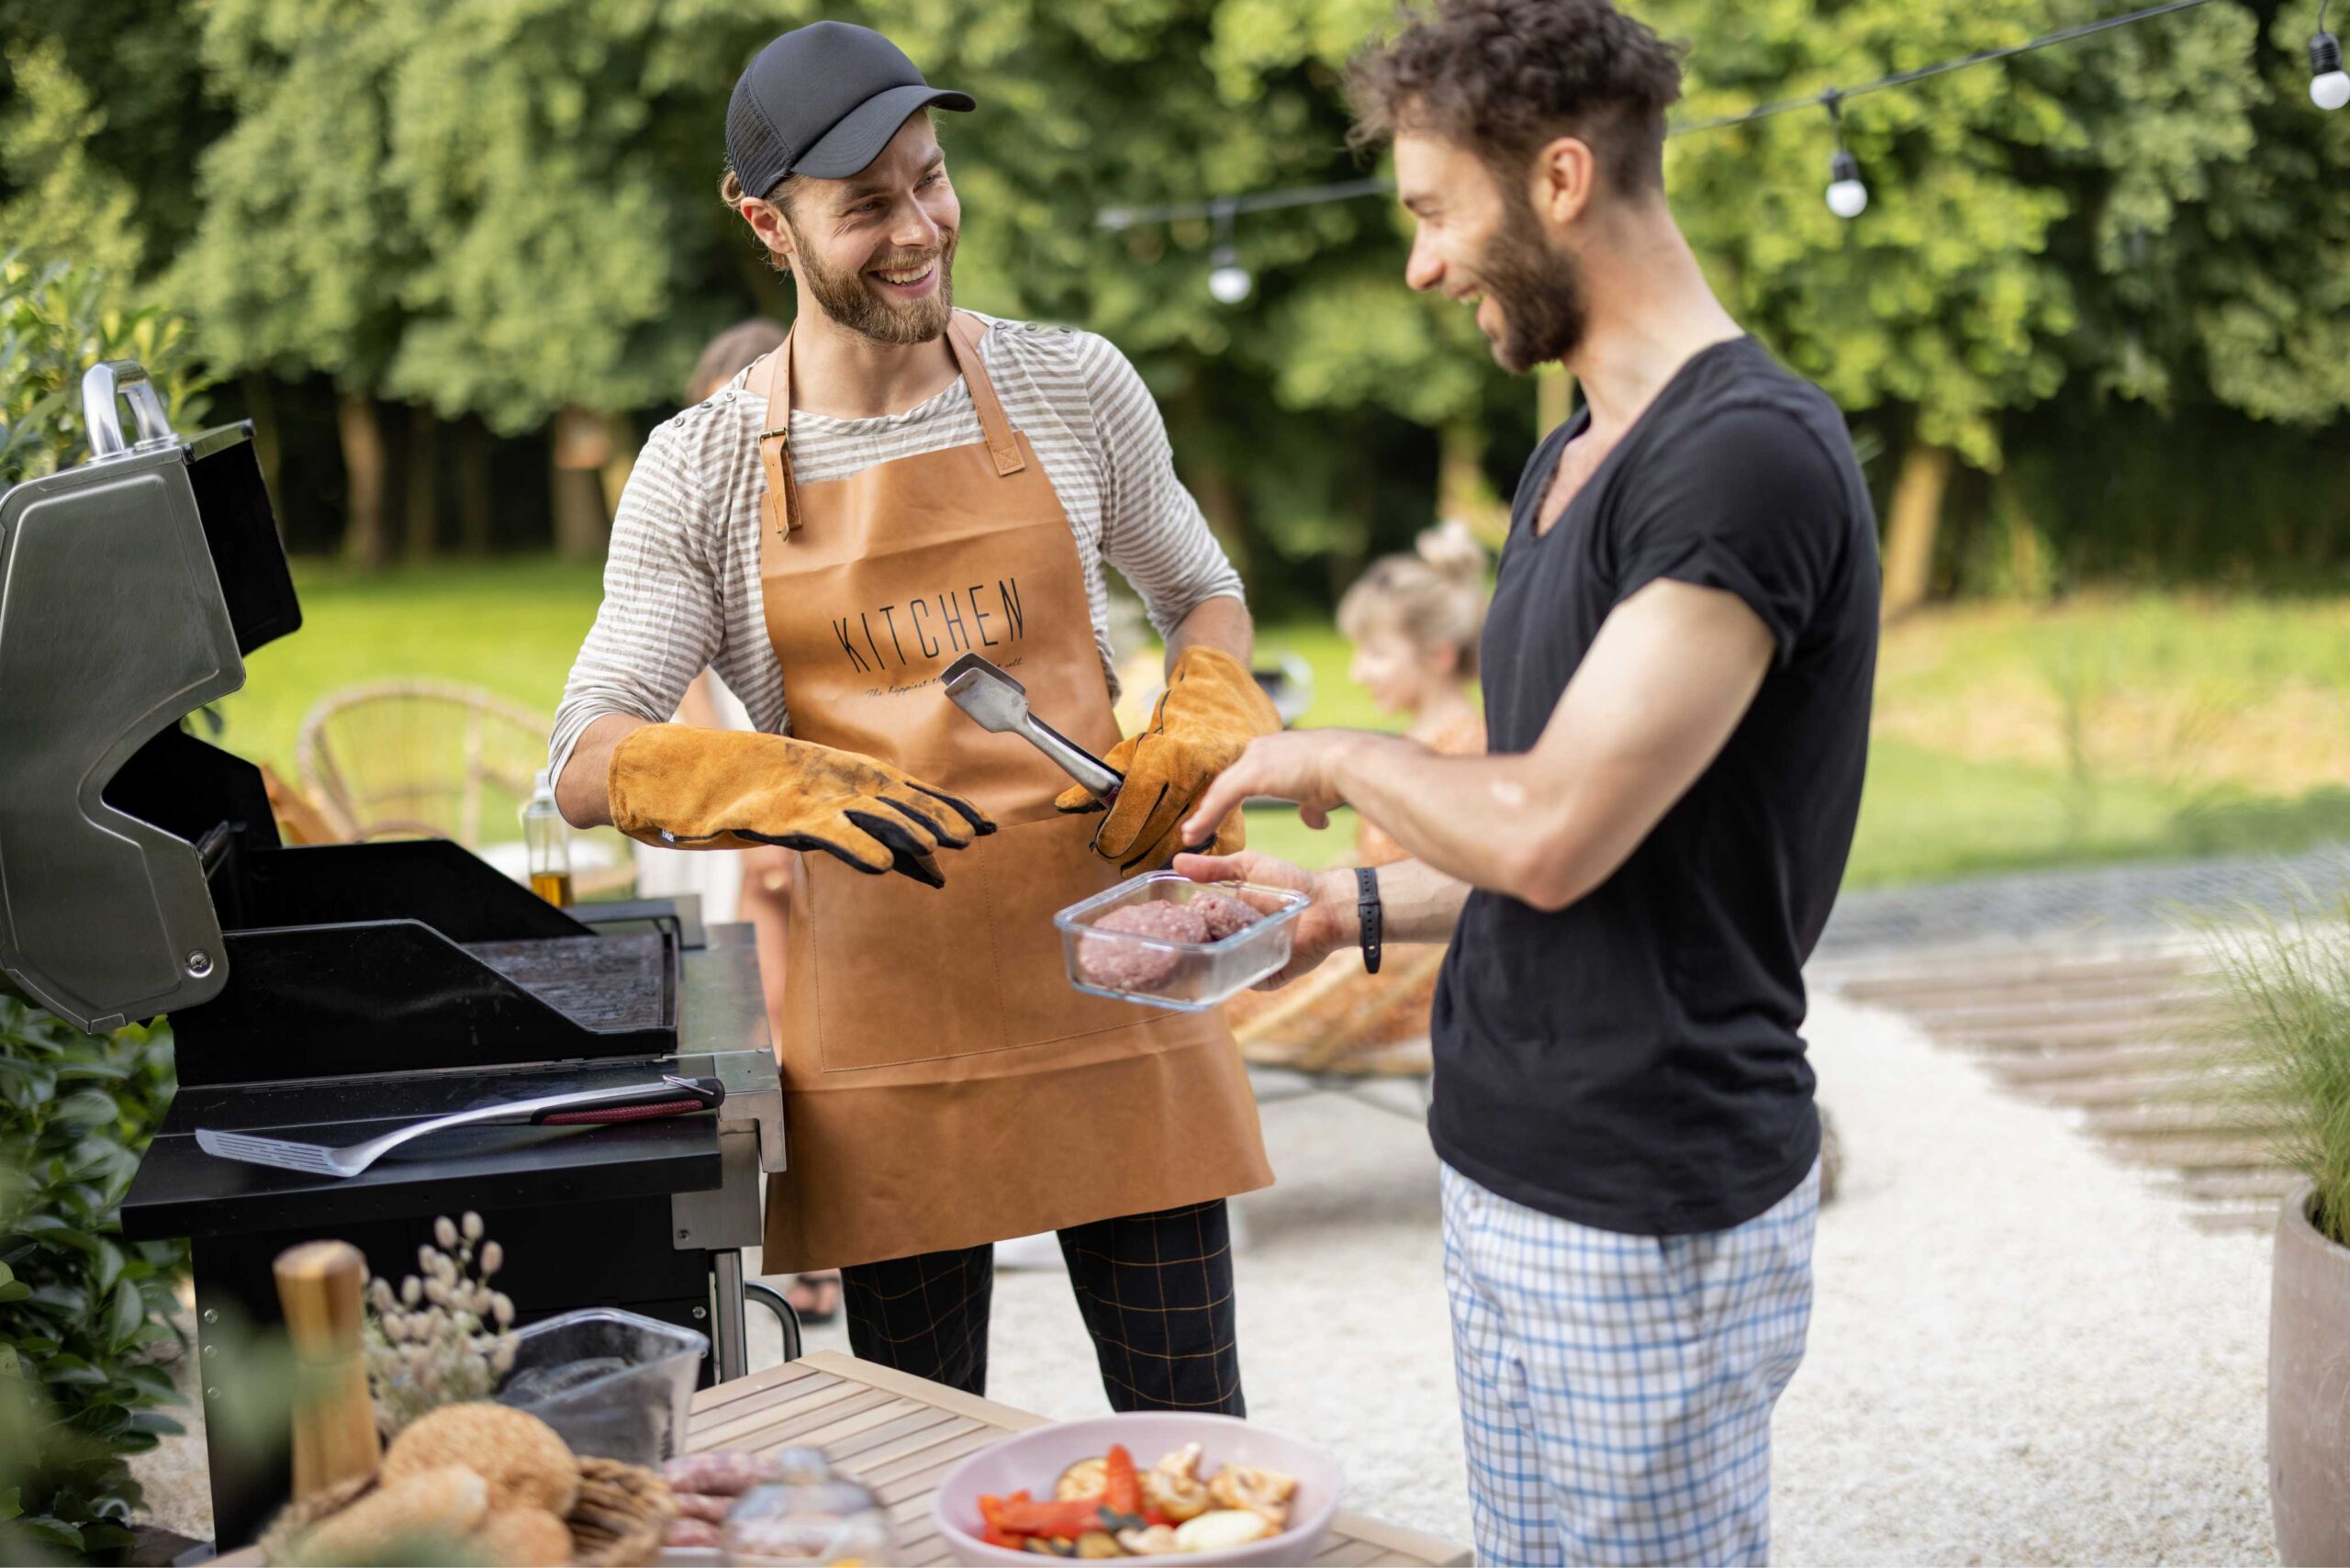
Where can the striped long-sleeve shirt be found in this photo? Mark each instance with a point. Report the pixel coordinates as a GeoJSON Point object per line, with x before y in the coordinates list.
{"type": "Point", "coordinates": [681, 582]}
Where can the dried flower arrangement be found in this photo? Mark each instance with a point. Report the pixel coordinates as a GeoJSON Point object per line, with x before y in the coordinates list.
{"type": "Point", "coordinates": [444, 1337]}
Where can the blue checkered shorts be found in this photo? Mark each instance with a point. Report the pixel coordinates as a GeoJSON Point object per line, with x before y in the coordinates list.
{"type": "Point", "coordinates": [1615, 1391]}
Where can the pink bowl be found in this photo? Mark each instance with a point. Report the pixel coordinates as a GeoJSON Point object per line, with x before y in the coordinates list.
{"type": "Point", "coordinates": [1033, 1460]}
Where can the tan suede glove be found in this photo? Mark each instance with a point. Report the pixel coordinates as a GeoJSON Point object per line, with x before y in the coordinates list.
{"type": "Point", "coordinates": [678, 786]}
{"type": "Point", "coordinates": [1211, 712]}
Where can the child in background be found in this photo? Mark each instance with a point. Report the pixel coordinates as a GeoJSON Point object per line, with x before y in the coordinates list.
{"type": "Point", "coordinates": [1415, 622]}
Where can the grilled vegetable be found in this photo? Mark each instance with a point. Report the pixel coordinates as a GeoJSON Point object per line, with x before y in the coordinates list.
{"type": "Point", "coordinates": [1173, 1490]}
{"type": "Point", "coordinates": [1265, 1491]}
{"type": "Point", "coordinates": [1085, 1478]}
{"type": "Point", "coordinates": [1221, 1530]}
{"type": "Point", "coordinates": [1158, 1540]}
{"type": "Point", "coordinates": [1122, 1488]}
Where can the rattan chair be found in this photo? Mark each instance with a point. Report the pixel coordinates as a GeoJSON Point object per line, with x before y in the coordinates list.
{"type": "Point", "coordinates": [432, 759]}
{"type": "Point", "coordinates": [1337, 1031]}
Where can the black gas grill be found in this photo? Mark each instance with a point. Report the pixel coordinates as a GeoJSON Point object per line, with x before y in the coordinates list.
{"type": "Point", "coordinates": [330, 994]}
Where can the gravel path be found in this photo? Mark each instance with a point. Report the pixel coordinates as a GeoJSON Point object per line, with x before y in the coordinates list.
{"type": "Point", "coordinates": [2019, 1354]}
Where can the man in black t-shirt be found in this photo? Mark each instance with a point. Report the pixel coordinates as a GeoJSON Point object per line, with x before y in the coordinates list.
{"type": "Point", "coordinates": [1677, 675]}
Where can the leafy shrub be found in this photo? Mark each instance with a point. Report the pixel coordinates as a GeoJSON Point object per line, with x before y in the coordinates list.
{"type": "Point", "coordinates": [2289, 1032]}
{"type": "Point", "coordinates": [58, 319]}
{"type": "Point", "coordinates": [82, 1313]}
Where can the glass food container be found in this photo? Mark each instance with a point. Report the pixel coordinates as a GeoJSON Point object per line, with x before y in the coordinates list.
{"type": "Point", "coordinates": [611, 1384]}
{"type": "Point", "coordinates": [1159, 972]}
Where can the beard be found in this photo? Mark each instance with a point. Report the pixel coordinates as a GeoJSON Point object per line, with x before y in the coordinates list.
{"type": "Point", "coordinates": [848, 299]}
{"type": "Point", "coordinates": [1538, 291]}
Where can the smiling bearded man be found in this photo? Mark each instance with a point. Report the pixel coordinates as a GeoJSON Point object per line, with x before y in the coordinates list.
{"type": "Point", "coordinates": [1677, 670]}
{"type": "Point", "coordinates": [898, 485]}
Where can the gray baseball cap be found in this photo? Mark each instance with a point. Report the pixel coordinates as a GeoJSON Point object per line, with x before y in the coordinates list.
{"type": "Point", "coordinates": [824, 100]}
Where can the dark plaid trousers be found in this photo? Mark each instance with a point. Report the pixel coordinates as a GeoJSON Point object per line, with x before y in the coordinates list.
{"type": "Point", "coordinates": [1155, 1291]}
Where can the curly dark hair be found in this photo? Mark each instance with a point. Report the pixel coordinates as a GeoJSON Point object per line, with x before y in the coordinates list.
{"type": "Point", "coordinates": [1502, 77]}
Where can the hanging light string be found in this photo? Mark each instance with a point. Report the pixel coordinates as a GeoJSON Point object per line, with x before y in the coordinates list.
{"type": "Point", "coordinates": [2326, 61]}
{"type": "Point", "coordinates": [1903, 78]}
{"type": "Point", "coordinates": [1115, 218]}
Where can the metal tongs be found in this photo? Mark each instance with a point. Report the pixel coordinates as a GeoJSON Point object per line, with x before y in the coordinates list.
{"type": "Point", "coordinates": [1000, 704]}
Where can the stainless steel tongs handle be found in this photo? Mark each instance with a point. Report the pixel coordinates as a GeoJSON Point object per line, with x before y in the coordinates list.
{"type": "Point", "coordinates": [1073, 758]}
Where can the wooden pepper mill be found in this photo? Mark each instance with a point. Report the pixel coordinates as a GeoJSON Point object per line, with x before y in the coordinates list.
{"type": "Point", "coordinates": [322, 1286]}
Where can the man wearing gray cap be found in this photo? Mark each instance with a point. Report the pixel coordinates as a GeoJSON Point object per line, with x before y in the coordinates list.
{"type": "Point", "coordinates": [899, 485]}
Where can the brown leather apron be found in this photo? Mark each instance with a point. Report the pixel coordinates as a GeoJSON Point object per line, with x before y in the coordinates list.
{"type": "Point", "coordinates": [943, 1085]}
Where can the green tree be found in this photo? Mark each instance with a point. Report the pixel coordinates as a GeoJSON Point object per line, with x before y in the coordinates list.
{"type": "Point", "coordinates": [2140, 214]}
{"type": "Point", "coordinates": [503, 208]}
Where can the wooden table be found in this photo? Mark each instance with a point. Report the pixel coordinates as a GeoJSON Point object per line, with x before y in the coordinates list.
{"type": "Point", "coordinates": [900, 1436]}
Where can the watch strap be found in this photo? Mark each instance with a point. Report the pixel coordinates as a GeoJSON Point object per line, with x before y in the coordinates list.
{"type": "Point", "coordinates": [1371, 913]}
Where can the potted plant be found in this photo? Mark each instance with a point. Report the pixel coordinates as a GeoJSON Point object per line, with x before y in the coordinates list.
{"type": "Point", "coordinates": [2291, 1027]}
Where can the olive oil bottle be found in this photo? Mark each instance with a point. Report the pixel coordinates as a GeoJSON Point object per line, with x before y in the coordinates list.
{"type": "Point", "coordinates": [548, 839]}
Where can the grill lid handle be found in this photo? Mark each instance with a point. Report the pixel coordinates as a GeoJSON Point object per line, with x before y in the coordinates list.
{"type": "Point", "coordinates": [101, 385]}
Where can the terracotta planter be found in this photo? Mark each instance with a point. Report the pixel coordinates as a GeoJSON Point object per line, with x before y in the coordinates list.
{"type": "Point", "coordinates": [2309, 1391]}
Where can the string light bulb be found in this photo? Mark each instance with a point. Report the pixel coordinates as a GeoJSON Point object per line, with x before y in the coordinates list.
{"type": "Point", "coordinates": [2329, 83]}
{"type": "Point", "coordinates": [1228, 280]}
{"type": "Point", "coordinates": [1847, 197]}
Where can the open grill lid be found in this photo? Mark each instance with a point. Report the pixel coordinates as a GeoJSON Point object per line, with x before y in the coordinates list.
{"type": "Point", "coordinates": [131, 588]}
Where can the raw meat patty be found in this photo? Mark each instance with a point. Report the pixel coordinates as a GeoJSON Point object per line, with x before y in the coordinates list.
{"type": "Point", "coordinates": [1120, 965]}
{"type": "Point", "coordinates": [1224, 913]}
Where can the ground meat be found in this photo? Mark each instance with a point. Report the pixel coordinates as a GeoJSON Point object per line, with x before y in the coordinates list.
{"type": "Point", "coordinates": [695, 1506]}
{"type": "Point", "coordinates": [1224, 913]}
{"type": "Point", "coordinates": [1124, 966]}
{"type": "Point", "coordinates": [719, 1473]}
{"type": "Point", "coordinates": [692, 1533]}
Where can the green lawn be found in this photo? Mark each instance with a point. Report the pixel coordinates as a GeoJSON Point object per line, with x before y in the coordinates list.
{"type": "Point", "coordinates": [513, 625]}
{"type": "Point", "coordinates": [510, 625]}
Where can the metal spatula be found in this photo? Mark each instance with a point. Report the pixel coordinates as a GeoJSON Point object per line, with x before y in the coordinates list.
{"type": "Point", "coordinates": [1001, 703]}
{"type": "Point", "coordinates": [670, 1096]}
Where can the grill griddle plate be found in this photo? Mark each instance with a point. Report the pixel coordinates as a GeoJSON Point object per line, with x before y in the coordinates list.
{"type": "Point", "coordinates": [603, 982]}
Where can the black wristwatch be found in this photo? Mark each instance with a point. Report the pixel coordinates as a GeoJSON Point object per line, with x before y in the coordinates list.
{"type": "Point", "coordinates": [1371, 913]}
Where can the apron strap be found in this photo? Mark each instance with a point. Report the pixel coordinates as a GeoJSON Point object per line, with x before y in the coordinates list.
{"type": "Point", "coordinates": [780, 504]}
{"type": "Point", "coordinates": [780, 507]}
{"type": "Point", "coordinates": [963, 337]}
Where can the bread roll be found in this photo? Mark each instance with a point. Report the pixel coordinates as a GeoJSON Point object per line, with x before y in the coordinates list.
{"type": "Point", "coordinates": [437, 1506]}
{"type": "Point", "coordinates": [526, 1464]}
{"type": "Point", "coordinates": [525, 1538]}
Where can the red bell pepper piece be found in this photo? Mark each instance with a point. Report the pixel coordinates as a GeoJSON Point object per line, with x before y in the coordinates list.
{"type": "Point", "coordinates": [1122, 1492]}
{"type": "Point", "coordinates": [1017, 1515]}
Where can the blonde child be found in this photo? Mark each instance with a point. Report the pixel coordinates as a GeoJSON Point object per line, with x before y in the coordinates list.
{"type": "Point", "coordinates": [1415, 622]}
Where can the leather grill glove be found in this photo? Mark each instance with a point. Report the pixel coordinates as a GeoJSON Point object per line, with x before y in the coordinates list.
{"type": "Point", "coordinates": [1211, 712]}
{"type": "Point", "coordinates": [681, 787]}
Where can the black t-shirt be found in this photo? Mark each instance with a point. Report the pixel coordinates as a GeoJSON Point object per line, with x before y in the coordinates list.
{"type": "Point", "coordinates": [1632, 1061]}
